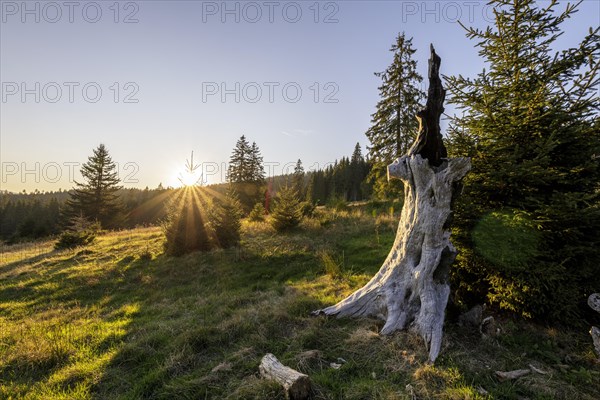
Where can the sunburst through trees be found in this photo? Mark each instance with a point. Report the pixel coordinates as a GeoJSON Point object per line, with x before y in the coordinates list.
{"type": "Point", "coordinates": [199, 218]}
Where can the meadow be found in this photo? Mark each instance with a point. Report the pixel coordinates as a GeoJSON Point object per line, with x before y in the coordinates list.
{"type": "Point", "coordinates": [121, 320]}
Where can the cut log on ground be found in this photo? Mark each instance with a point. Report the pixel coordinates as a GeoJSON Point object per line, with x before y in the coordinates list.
{"type": "Point", "coordinates": [509, 375]}
{"type": "Point", "coordinates": [297, 386]}
{"type": "Point", "coordinates": [411, 289]}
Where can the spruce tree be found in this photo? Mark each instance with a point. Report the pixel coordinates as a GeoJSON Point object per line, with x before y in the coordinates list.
{"type": "Point", "coordinates": [287, 213]}
{"type": "Point", "coordinates": [298, 179]}
{"type": "Point", "coordinates": [224, 218]}
{"type": "Point", "coordinates": [256, 168]}
{"type": "Point", "coordinates": [96, 199]}
{"type": "Point", "coordinates": [317, 187]}
{"type": "Point", "coordinates": [246, 173]}
{"type": "Point", "coordinates": [394, 125]}
{"type": "Point", "coordinates": [240, 164]}
{"type": "Point", "coordinates": [358, 170]}
{"type": "Point", "coordinates": [530, 124]}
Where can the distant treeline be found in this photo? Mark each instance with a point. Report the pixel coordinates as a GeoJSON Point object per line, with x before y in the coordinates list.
{"type": "Point", "coordinates": [37, 214]}
{"type": "Point", "coordinates": [344, 180]}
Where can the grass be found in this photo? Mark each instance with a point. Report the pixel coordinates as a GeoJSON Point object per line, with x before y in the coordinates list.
{"type": "Point", "coordinates": [120, 320]}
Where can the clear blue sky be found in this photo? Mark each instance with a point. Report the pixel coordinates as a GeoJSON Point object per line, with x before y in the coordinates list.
{"type": "Point", "coordinates": [173, 56]}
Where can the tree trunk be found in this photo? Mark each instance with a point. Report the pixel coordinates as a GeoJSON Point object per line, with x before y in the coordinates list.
{"type": "Point", "coordinates": [411, 289]}
{"type": "Point", "coordinates": [297, 386]}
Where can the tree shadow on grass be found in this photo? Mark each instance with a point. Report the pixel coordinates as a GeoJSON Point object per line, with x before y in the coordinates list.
{"type": "Point", "coordinates": [172, 321]}
{"type": "Point", "coordinates": [8, 268]}
{"type": "Point", "coordinates": [56, 317]}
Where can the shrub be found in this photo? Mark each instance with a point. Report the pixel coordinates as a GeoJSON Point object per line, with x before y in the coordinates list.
{"type": "Point", "coordinates": [258, 213]}
{"type": "Point", "coordinates": [224, 218]}
{"type": "Point", "coordinates": [287, 213]}
{"type": "Point", "coordinates": [80, 232]}
{"type": "Point", "coordinates": [71, 240]}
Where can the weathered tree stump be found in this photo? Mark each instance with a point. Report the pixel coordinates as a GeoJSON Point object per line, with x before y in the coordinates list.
{"type": "Point", "coordinates": [594, 303]}
{"type": "Point", "coordinates": [411, 289]}
{"type": "Point", "coordinates": [429, 143]}
{"type": "Point", "coordinates": [595, 333]}
{"type": "Point", "coordinates": [297, 386]}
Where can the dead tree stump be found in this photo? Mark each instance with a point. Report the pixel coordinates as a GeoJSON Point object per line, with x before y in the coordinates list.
{"type": "Point", "coordinates": [411, 289]}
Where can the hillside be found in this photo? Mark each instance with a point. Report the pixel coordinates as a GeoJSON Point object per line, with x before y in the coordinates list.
{"type": "Point", "coordinates": [120, 320]}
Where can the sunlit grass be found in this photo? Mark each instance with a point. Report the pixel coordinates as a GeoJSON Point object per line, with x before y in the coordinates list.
{"type": "Point", "coordinates": [108, 321]}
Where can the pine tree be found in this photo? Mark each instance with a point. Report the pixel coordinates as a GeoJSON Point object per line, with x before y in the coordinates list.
{"type": "Point", "coordinates": [287, 213]}
{"type": "Point", "coordinates": [530, 124]}
{"type": "Point", "coordinates": [240, 168]}
{"type": "Point", "coordinates": [358, 169]}
{"type": "Point", "coordinates": [256, 169]}
{"type": "Point", "coordinates": [246, 163]}
{"type": "Point", "coordinates": [298, 179]}
{"type": "Point", "coordinates": [317, 187]}
{"type": "Point", "coordinates": [394, 124]}
{"type": "Point", "coordinates": [246, 173]}
{"type": "Point", "coordinates": [96, 199]}
{"type": "Point", "coordinates": [257, 214]}
{"type": "Point", "coordinates": [224, 217]}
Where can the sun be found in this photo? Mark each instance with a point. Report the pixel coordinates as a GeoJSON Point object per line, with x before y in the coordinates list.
{"type": "Point", "coordinates": [191, 175]}
{"type": "Point", "coordinates": [189, 178]}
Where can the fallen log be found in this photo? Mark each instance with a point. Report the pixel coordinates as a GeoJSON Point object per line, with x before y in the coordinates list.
{"type": "Point", "coordinates": [297, 386]}
{"type": "Point", "coordinates": [509, 375]}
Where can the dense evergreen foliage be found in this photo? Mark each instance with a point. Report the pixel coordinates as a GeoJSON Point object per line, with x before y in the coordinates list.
{"type": "Point", "coordinates": [246, 173]}
{"type": "Point", "coordinates": [25, 216]}
{"type": "Point", "coordinates": [287, 212]}
{"type": "Point", "coordinates": [224, 217]}
{"type": "Point", "coordinates": [245, 163]}
{"type": "Point", "coordinates": [258, 212]}
{"type": "Point", "coordinates": [30, 216]}
{"type": "Point", "coordinates": [96, 199]}
{"type": "Point", "coordinates": [344, 180]}
{"type": "Point", "coordinates": [298, 179]}
{"type": "Point", "coordinates": [394, 125]}
{"type": "Point", "coordinates": [80, 232]}
{"type": "Point", "coordinates": [529, 217]}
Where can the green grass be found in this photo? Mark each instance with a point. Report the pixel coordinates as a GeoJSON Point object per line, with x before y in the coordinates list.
{"type": "Point", "coordinates": [120, 320]}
